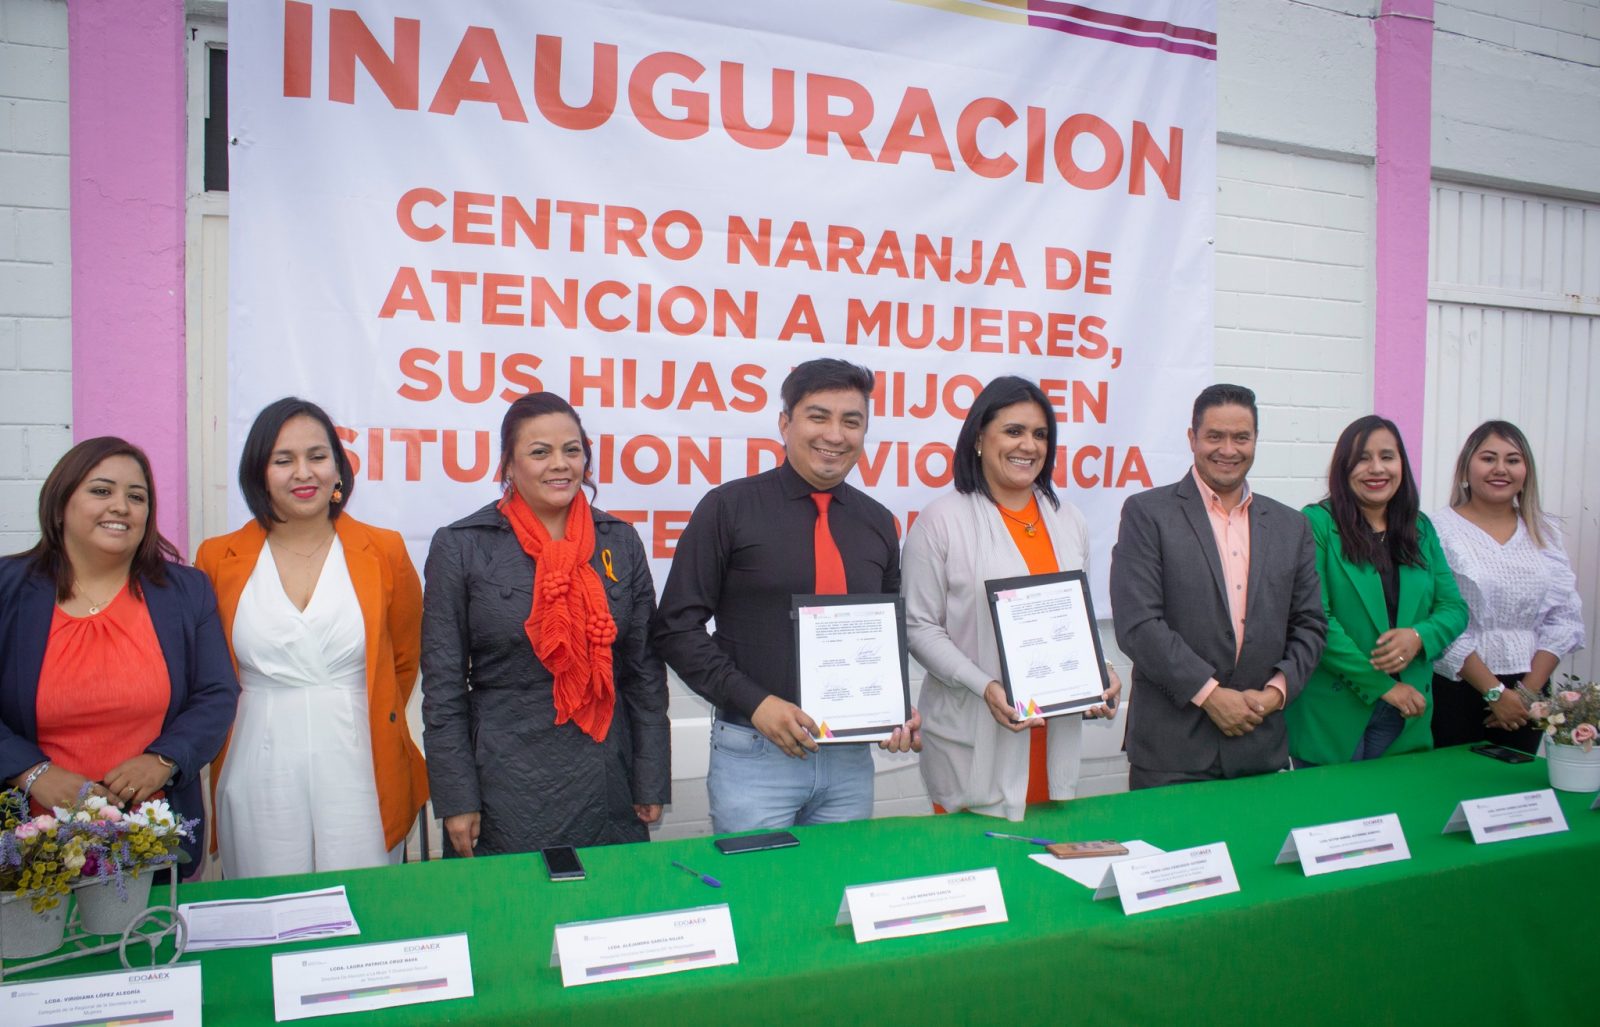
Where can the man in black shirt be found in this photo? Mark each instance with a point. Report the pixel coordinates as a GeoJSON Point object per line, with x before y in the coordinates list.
{"type": "Point", "coordinates": [750, 546]}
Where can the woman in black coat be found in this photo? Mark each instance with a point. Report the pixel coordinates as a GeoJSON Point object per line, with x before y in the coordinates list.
{"type": "Point", "coordinates": [544, 708]}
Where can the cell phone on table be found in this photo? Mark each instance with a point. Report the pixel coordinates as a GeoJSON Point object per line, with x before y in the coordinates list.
{"type": "Point", "coordinates": [563, 863]}
{"type": "Point", "coordinates": [756, 842]}
{"type": "Point", "coordinates": [1501, 753]}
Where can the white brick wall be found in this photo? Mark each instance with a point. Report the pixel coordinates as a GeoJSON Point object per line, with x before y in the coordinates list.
{"type": "Point", "coordinates": [35, 267]}
{"type": "Point", "coordinates": [1565, 29]}
{"type": "Point", "coordinates": [1294, 315]}
{"type": "Point", "coordinates": [1517, 94]}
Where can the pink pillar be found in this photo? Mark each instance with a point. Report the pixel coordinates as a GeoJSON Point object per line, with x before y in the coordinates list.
{"type": "Point", "coordinates": [129, 370]}
{"type": "Point", "coordinates": [1404, 88]}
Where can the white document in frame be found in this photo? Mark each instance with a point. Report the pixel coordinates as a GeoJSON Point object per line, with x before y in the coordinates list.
{"type": "Point", "coordinates": [1049, 648]}
{"type": "Point", "coordinates": [852, 668]}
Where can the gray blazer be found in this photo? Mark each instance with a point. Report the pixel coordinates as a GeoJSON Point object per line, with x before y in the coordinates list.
{"type": "Point", "coordinates": [1171, 613]}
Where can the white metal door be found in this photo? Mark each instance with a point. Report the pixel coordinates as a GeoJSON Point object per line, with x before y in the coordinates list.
{"type": "Point", "coordinates": [1514, 333]}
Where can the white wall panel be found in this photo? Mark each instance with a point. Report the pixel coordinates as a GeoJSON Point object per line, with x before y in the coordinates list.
{"type": "Point", "coordinates": [1514, 333]}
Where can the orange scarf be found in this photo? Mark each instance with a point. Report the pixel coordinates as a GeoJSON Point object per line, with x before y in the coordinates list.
{"type": "Point", "coordinates": [570, 624]}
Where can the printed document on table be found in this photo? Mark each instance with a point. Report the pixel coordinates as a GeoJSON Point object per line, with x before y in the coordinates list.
{"type": "Point", "coordinates": [1091, 870]}
{"type": "Point", "coordinates": [853, 669]}
{"type": "Point", "coordinates": [242, 923]}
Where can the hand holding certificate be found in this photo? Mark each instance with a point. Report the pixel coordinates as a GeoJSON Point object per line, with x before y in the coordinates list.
{"type": "Point", "coordinates": [1050, 657]}
{"type": "Point", "coordinates": [853, 671]}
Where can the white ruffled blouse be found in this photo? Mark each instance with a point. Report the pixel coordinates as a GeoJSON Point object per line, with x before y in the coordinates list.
{"type": "Point", "coordinates": [1523, 598]}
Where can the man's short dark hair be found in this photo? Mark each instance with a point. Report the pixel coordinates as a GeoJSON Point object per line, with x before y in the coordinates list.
{"type": "Point", "coordinates": [1221, 396]}
{"type": "Point", "coordinates": [258, 445]}
{"type": "Point", "coordinates": [824, 374]}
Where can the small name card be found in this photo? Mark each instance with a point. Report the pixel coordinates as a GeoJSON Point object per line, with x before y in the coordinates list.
{"type": "Point", "coordinates": [160, 994]}
{"type": "Point", "coordinates": [1346, 845]}
{"type": "Point", "coordinates": [1170, 879]}
{"type": "Point", "coordinates": [357, 978]}
{"type": "Point", "coordinates": [591, 951]}
{"type": "Point", "coordinates": [1504, 817]}
{"type": "Point", "coordinates": [923, 905]}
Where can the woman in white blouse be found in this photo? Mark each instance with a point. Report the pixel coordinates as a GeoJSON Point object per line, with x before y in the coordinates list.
{"type": "Point", "coordinates": [1519, 587]}
{"type": "Point", "coordinates": [1003, 520]}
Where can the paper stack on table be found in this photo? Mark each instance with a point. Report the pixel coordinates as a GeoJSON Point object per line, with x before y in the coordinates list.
{"type": "Point", "coordinates": [241, 923]}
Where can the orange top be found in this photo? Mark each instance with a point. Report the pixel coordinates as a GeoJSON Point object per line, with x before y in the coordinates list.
{"type": "Point", "coordinates": [103, 688]}
{"type": "Point", "coordinates": [1040, 556]}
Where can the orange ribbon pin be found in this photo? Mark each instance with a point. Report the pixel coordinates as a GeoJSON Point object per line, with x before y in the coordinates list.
{"type": "Point", "coordinates": [605, 561]}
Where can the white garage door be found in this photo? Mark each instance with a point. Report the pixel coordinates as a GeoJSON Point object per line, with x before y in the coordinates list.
{"type": "Point", "coordinates": [1514, 333]}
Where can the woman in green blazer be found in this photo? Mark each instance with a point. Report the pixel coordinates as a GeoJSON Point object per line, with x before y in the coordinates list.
{"type": "Point", "coordinates": [1392, 607]}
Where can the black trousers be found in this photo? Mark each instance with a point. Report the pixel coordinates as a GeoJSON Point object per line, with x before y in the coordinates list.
{"type": "Point", "coordinates": [1458, 712]}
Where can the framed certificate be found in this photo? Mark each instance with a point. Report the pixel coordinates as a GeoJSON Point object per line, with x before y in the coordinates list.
{"type": "Point", "coordinates": [854, 675]}
{"type": "Point", "coordinates": [1050, 657]}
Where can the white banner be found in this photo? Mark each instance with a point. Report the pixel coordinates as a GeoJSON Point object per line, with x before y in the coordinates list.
{"type": "Point", "coordinates": [656, 209]}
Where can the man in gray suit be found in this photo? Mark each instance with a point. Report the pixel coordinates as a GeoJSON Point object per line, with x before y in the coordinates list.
{"type": "Point", "coordinates": [1216, 599]}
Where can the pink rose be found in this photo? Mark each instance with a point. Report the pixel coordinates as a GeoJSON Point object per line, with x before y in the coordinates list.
{"type": "Point", "coordinates": [1570, 697]}
{"type": "Point", "coordinates": [1539, 710]}
{"type": "Point", "coordinates": [110, 813]}
{"type": "Point", "coordinates": [26, 831]}
{"type": "Point", "coordinates": [45, 822]}
{"type": "Point", "coordinates": [1584, 735]}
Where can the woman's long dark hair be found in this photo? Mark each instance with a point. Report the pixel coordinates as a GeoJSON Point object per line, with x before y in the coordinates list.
{"type": "Point", "coordinates": [1356, 538]}
{"type": "Point", "coordinates": [49, 554]}
{"type": "Point", "coordinates": [1004, 391]}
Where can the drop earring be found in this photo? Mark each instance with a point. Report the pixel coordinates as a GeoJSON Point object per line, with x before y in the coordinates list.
{"type": "Point", "coordinates": [338, 492]}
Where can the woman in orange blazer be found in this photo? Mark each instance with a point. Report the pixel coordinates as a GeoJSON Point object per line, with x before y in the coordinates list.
{"type": "Point", "coordinates": [324, 616]}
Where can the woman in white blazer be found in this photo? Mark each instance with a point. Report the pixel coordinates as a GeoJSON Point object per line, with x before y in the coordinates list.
{"type": "Point", "coordinates": [1003, 520]}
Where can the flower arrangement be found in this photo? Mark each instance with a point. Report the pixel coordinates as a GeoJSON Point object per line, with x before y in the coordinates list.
{"type": "Point", "coordinates": [122, 844]}
{"type": "Point", "coordinates": [1571, 716]}
{"type": "Point", "coordinates": [40, 857]}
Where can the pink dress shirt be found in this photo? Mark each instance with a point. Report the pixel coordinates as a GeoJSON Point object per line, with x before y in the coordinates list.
{"type": "Point", "coordinates": [1231, 529]}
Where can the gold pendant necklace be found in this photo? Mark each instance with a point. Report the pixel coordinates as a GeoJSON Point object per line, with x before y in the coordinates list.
{"type": "Point", "coordinates": [310, 555]}
{"type": "Point", "coordinates": [96, 605]}
{"type": "Point", "coordinates": [1029, 528]}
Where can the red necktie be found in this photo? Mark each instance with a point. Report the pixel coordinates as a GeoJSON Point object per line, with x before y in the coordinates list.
{"type": "Point", "coordinates": [830, 565]}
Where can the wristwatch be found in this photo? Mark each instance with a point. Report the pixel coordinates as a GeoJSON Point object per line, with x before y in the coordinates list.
{"type": "Point", "coordinates": [1493, 695]}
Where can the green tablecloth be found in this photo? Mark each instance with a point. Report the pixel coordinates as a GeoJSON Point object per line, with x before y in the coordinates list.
{"type": "Point", "coordinates": [1500, 933]}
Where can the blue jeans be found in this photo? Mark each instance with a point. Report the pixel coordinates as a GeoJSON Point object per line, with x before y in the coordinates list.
{"type": "Point", "coordinates": [753, 785]}
{"type": "Point", "coordinates": [1384, 727]}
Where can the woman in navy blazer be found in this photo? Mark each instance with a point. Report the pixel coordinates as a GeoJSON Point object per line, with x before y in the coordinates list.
{"type": "Point", "coordinates": [100, 559]}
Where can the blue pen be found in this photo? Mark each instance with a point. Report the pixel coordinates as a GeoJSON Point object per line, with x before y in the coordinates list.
{"type": "Point", "coordinates": [704, 878]}
{"type": "Point", "coordinates": [1018, 838]}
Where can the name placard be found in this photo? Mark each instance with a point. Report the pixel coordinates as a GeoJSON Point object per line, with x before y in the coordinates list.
{"type": "Point", "coordinates": [615, 949]}
{"type": "Point", "coordinates": [356, 978]}
{"type": "Point", "coordinates": [161, 994]}
{"type": "Point", "coordinates": [1170, 879]}
{"type": "Point", "coordinates": [923, 905]}
{"type": "Point", "coordinates": [1346, 845]}
{"type": "Point", "coordinates": [1501, 818]}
